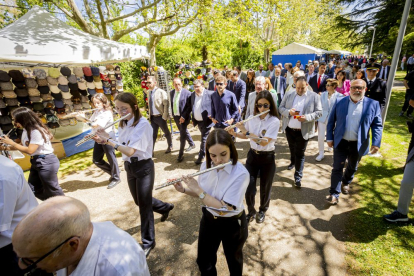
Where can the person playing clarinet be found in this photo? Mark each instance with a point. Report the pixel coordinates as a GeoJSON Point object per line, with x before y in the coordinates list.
{"type": "Point", "coordinates": [221, 192]}
{"type": "Point", "coordinates": [261, 156]}
{"type": "Point", "coordinates": [135, 143]}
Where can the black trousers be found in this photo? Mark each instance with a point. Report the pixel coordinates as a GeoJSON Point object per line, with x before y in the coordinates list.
{"type": "Point", "coordinates": [9, 262]}
{"type": "Point", "coordinates": [156, 123]}
{"type": "Point", "coordinates": [184, 134]}
{"type": "Point", "coordinates": [266, 166]}
{"type": "Point", "coordinates": [98, 154]}
{"type": "Point", "coordinates": [411, 145]}
{"type": "Point", "coordinates": [205, 131]}
{"type": "Point", "coordinates": [43, 176]}
{"type": "Point", "coordinates": [297, 147]}
{"type": "Point", "coordinates": [232, 232]}
{"type": "Point", "coordinates": [406, 106]}
{"type": "Point", "coordinates": [140, 177]}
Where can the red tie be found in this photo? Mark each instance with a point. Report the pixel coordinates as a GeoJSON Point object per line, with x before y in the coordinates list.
{"type": "Point", "coordinates": [319, 81]}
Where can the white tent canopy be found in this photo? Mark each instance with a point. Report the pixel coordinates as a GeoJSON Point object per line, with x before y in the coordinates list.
{"type": "Point", "coordinates": [339, 52]}
{"type": "Point", "coordinates": [298, 49]}
{"type": "Point", "coordinates": [40, 38]}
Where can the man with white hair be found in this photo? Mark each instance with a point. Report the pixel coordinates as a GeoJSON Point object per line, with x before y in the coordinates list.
{"type": "Point", "coordinates": [259, 86]}
{"type": "Point", "coordinates": [384, 70]}
{"type": "Point", "coordinates": [58, 236]}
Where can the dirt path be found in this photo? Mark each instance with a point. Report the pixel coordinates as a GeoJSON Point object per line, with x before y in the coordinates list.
{"type": "Point", "coordinates": [300, 236]}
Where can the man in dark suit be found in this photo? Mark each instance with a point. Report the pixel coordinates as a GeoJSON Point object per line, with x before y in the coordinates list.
{"type": "Point", "coordinates": [238, 87]}
{"type": "Point", "coordinates": [318, 81]}
{"type": "Point", "coordinates": [279, 84]}
{"type": "Point", "coordinates": [212, 83]}
{"type": "Point", "coordinates": [179, 98]}
{"type": "Point", "coordinates": [200, 107]}
{"type": "Point", "coordinates": [384, 71]}
{"type": "Point", "coordinates": [376, 87]}
{"type": "Point", "coordinates": [348, 130]}
{"type": "Point", "coordinates": [338, 68]}
{"type": "Point", "coordinates": [311, 72]}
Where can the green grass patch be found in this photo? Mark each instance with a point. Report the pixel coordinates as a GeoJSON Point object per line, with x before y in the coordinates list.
{"type": "Point", "coordinates": [374, 246]}
{"type": "Point", "coordinates": [399, 75]}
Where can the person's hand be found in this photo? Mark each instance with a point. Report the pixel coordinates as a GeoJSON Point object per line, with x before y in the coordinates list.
{"type": "Point", "coordinates": [191, 183]}
{"type": "Point", "coordinates": [292, 112]}
{"type": "Point", "coordinates": [374, 149]}
{"type": "Point", "coordinates": [6, 140]}
{"type": "Point", "coordinates": [231, 131]}
{"type": "Point", "coordinates": [301, 118]}
{"type": "Point", "coordinates": [241, 126]}
{"type": "Point", "coordinates": [229, 122]}
{"type": "Point", "coordinates": [182, 120]}
{"type": "Point", "coordinates": [330, 144]}
{"type": "Point", "coordinates": [100, 131]}
{"type": "Point", "coordinates": [178, 186]}
{"type": "Point", "coordinates": [214, 121]}
{"type": "Point", "coordinates": [98, 139]}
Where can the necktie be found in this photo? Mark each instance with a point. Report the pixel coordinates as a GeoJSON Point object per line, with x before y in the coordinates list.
{"type": "Point", "coordinates": [150, 102]}
{"type": "Point", "coordinates": [276, 84]}
{"type": "Point", "coordinates": [177, 98]}
{"type": "Point", "coordinates": [319, 81]}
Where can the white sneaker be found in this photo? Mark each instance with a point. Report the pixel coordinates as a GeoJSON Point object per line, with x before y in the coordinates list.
{"type": "Point", "coordinates": [319, 157]}
{"type": "Point", "coordinates": [330, 149]}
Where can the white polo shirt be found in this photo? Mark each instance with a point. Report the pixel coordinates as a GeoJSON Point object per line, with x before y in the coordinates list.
{"type": "Point", "coordinates": [268, 127]}
{"type": "Point", "coordinates": [138, 137]}
{"type": "Point", "coordinates": [16, 198]}
{"type": "Point", "coordinates": [110, 252]}
{"type": "Point", "coordinates": [298, 105]}
{"type": "Point", "coordinates": [228, 184]}
{"type": "Point", "coordinates": [45, 147]}
{"type": "Point", "coordinates": [103, 118]}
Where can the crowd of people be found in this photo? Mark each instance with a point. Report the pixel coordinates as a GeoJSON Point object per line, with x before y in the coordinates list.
{"type": "Point", "coordinates": [342, 103]}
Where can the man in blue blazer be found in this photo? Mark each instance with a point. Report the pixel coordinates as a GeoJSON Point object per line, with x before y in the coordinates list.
{"type": "Point", "coordinates": [179, 98]}
{"type": "Point", "coordinates": [279, 84]}
{"type": "Point", "coordinates": [199, 104]}
{"type": "Point", "coordinates": [318, 81]}
{"type": "Point", "coordinates": [238, 87]}
{"type": "Point", "coordinates": [348, 128]}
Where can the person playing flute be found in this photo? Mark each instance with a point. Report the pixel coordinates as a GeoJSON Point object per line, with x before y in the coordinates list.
{"type": "Point", "coordinates": [221, 192]}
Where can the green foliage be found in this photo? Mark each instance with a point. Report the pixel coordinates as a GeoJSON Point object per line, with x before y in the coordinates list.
{"type": "Point", "coordinates": [175, 51]}
{"type": "Point", "coordinates": [131, 78]}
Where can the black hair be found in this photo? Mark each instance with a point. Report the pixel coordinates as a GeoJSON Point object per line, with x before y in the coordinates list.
{"type": "Point", "coordinates": [30, 121]}
{"type": "Point", "coordinates": [222, 137]}
{"type": "Point", "coordinates": [268, 96]}
{"type": "Point", "coordinates": [130, 99]}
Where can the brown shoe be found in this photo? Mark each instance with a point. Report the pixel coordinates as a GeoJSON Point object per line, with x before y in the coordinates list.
{"type": "Point", "coordinates": [345, 189]}
{"type": "Point", "coordinates": [333, 200]}
{"type": "Point", "coordinates": [168, 150]}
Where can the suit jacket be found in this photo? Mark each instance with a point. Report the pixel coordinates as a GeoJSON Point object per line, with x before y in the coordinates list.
{"type": "Point", "coordinates": [385, 74]}
{"type": "Point", "coordinates": [252, 99]}
{"type": "Point", "coordinates": [313, 82]}
{"type": "Point", "coordinates": [377, 91]}
{"type": "Point", "coordinates": [282, 85]}
{"type": "Point", "coordinates": [332, 70]}
{"type": "Point", "coordinates": [239, 89]}
{"type": "Point", "coordinates": [312, 111]}
{"type": "Point", "coordinates": [308, 77]}
{"type": "Point", "coordinates": [410, 156]}
{"type": "Point", "coordinates": [212, 85]}
{"type": "Point", "coordinates": [184, 96]}
{"type": "Point", "coordinates": [370, 119]}
{"type": "Point", "coordinates": [161, 102]}
{"type": "Point", "coordinates": [205, 107]}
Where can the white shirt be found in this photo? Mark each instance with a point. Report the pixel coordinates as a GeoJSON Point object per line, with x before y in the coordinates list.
{"type": "Point", "coordinates": [16, 198]}
{"type": "Point", "coordinates": [263, 73]}
{"type": "Point", "coordinates": [268, 127]}
{"type": "Point", "coordinates": [45, 147]}
{"type": "Point", "coordinates": [298, 105]}
{"type": "Point", "coordinates": [110, 252]}
{"type": "Point", "coordinates": [197, 106]}
{"type": "Point", "coordinates": [371, 81]}
{"type": "Point", "coordinates": [228, 184]}
{"type": "Point", "coordinates": [354, 120]}
{"type": "Point", "coordinates": [138, 137]}
{"type": "Point", "coordinates": [177, 104]}
{"type": "Point", "coordinates": [154, 110]}
{"type": "Point", "coordinates": [102, 118]}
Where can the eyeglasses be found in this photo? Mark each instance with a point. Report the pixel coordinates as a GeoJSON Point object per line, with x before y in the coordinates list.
{"type": "Point", "coordinates": [122, 110]}
{"type": "Point", "coordinates": [357, 87]}
{"type": "Point", "coordinates": [219, 83]}
{"type": "Point", "coordinates": [329, 85]}
{"type": "Point", "coordinates": [262, 105]}
{"type": "Point", "coordinates": [31, 266]}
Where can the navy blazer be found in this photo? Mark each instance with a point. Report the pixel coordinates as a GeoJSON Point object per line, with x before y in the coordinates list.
{"type": "Point", "coordinates": [212, 85]}
{"type": "Point", "coordinates": [282, 85]}
{"type": "Point", "coordinates": [385, 75]}
{"type": "Point", "coordinates": [206, 100]}
{"type": "Point", "coordinates": [184, 96]}
{"type": "Point", "coordinates": [239, 89]}
{"type": "Point", "coordinates": [370, 119]}
{"type": "Point", "coordinates": [313, 82]}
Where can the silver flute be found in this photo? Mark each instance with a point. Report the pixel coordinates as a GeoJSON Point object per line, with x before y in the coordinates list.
{"type": "Point", "coordinates": [94, 131]}
{"type": "Point", "coordinates": [192, 175]}
{"type": "Point", "coordinates": [248, 119]}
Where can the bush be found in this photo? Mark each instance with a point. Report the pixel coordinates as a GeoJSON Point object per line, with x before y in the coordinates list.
{"type": "Point", "coordinates": [131, 71]}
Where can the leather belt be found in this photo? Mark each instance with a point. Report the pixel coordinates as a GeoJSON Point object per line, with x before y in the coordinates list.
{"type": "Point", "coordinates": [295, 129]}
{"type": "Point", "coordinates": [38, 156]}
{"type": "Point", "coordinates": [156, 115]}
{"type": "Point", "coordinates": [263, 152]}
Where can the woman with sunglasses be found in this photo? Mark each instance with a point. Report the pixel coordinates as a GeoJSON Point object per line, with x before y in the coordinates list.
{"type": "Point", "coordinates": [36, 142]}
{"type": "Point", "coordinates": [135, 143]}
{"type": "Point", "coordinates": [261, 156]}
{"type": "Point", "coordinates": [328, 99]}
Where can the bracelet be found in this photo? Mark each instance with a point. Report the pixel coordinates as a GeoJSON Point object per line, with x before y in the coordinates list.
{"type": "Point", "coordinates": [184, 191]}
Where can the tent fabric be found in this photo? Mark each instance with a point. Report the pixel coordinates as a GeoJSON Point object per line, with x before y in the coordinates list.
{"type": "Point", "coordinates": [39, 37]}
{"type": "Point", "coordinates": [338, 52]}
{"type": "Point", "coordinates": [297, 48]}
{"type": "Point", "coordinates": [304, 58]}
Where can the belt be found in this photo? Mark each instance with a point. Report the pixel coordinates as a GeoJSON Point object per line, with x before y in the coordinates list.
{"type": "Point", "coordinates": [350, 140]}
{"type": "Point", "coordinates": [219, 217]}
{"type": "Point", "coordinates": [38, 156]}
{"type": "Point", "coordinates": [156, 115]}
{"type": "Point", "coordinates": [295, 129]}
{"type": "Point", "coordinates": [262, 151]}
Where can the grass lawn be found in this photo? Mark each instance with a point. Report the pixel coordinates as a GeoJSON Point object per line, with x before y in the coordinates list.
{"type": "Point", "coordinates": [400, 75]}
{"type": "Point", "coordinates": [374, 246]}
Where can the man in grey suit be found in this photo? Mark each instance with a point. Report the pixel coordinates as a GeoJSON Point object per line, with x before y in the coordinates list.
{"type": "Point", "coordinates": [300, 110]}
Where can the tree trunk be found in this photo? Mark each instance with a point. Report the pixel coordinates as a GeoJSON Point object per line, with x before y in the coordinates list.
{"type": "Point", "coordinates": [151, 46]}
{"type": "Point", "coordinates": [204, 52]}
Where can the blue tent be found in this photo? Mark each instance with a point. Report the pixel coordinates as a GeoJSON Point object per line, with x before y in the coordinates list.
{"type": "Point", "coordinates": [296, 51]}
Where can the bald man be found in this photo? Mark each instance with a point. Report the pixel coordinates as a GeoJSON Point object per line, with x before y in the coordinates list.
{"type": "Point", "coordinates": [58, 236]}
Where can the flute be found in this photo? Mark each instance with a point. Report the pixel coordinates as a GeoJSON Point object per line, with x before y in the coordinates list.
{"type": "Point", "coordinates": [93, 133]}
{"type": "Point", "coordinates": [248, 119]}
{"type": "Point", "coordinates": [192, 175]}
{"type": "Point", "coordinates": [257, 138]}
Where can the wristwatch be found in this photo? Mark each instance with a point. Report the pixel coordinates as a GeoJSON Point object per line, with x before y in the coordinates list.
{"type": "Point", "coordinates": [247, 133]}
{"type": "Point", "coordinates": [116, 146]}
{"type": "Point", "coordinates": [202, 195]}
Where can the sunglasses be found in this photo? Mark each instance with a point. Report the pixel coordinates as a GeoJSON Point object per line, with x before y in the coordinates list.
{"type": "Point", "coordinates": [219, 83]}
{"type": "Point", "coordinates": [357, 87]}
{"type": "Point", "coordinates": [262, 105]}
{"type": "Point", "coordinates": [329, 85]}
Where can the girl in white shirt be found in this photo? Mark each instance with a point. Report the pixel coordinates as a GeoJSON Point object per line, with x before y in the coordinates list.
{"type": "Point", "coordinates": [135, 143]}
{"type": "Point", "coordinates": [221, 192]}
{"type": "Point", "coordinates": [261, 157]}
{"type": "Point", "coordinates": [35, 142]}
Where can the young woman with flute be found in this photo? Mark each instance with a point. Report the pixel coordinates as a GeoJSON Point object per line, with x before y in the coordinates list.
{"type": "Point", "coordinates": [221, 192]}
{"type": "Point", "coordinates": [261, 156]}
{"type": "Point", "coordinates": [36, 142]}
{"type": "Point", "coordinates": [135, 143]}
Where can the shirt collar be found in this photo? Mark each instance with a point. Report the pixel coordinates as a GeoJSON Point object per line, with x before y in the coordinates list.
{"type": "Point", "coordinates": [129, 123]}
{"type": "Point", "coordinates": [372, 79]}
{"type": "Point", "coordinates": [358, 102]}
{"type": "Point", "coordinates": [202, 93]}
{"type": "Point", "coordinates": [89, 258]}
{"type": "Point", "coordinates": [228, 168]}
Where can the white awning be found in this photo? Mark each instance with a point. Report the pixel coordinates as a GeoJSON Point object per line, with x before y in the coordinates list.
{"type": "Point", "coordinates": [298, 49]}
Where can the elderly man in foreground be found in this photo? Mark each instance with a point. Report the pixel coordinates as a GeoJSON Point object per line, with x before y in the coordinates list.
{"type": "Point", "coordinates": [58, 236]}
{"type": "Point", "coordinates": [349, 124]}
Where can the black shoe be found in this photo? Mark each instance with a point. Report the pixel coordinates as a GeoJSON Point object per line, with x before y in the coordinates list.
{"type": "Point", "coordinates": [291, 166]}
{"type": "Point", "coordinates": [113, 183]}
{"type": "Point", "coordinates": [180, 158]}
{"type": "Point", "coordinates": [250, 217]}
{"type": "Point", "coordinates": [260, 217]}
{"type": "Point", "coordinates": [190, 148]}
{"type": "Point", "coordinates": [147, 251]}
{"type": "Point", "coordinates": [169, 150]}
{"type": "Point", "coordinates": [298, 184]}
{"type": "Point", "coordinates": [396, 217]}
{"type": "Point", "coordinates": [166, 214]}
{"type": "Point", "coordinates": [198, 161]}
